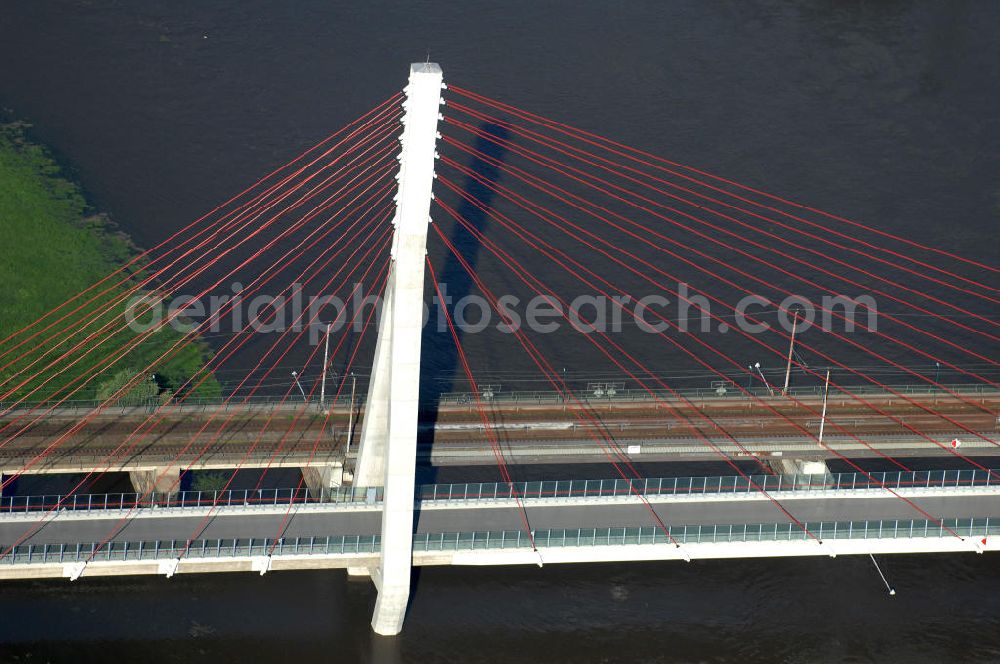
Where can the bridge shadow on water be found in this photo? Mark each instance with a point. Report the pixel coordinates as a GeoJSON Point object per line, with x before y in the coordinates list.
{"type": "Point", "coordinates": [439, 357]}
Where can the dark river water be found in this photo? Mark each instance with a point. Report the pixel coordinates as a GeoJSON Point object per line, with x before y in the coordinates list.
{"type": "Point", "coordinates": [882, 111]}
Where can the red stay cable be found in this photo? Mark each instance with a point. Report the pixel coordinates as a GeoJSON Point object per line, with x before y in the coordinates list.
{"type": "Point", "coordinates": [490, 433]}
{"type": "Point", "coordinates": [577, 133]}
{"type": "Point", "coordinates": [187, 339]}
{"type": "Point", "coordinates": [580, 175]}
{"type": "Point", "coordinates": [137, 259]}
{"type": "Point", "coordinates": [219, 226]}
{"type": "Point", "coordinates": [503, 191]}
{"type": "Point", "coordinates": [542, 290]}
{"type": "Point", "coordinates": [506, 220]}
{"type": "Point", "coordinates": [588, 158]}
{"type": "Point", "coordinates": [175, 280]}
{"type": "Point", "coordinates": [703, 269]}
{"type": "Point", "coordinates": [140, 500]}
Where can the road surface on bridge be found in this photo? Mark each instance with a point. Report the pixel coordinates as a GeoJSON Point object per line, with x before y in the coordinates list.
{"type": "Point", "coordinates": [466, 516]}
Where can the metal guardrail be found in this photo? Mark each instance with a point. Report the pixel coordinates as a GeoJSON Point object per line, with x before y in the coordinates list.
{"type": "Point", "coordinates": [501, 397]}
{"type": "Point", "coordinates": [203, 548]}
{"type": "Point", "coordinates": [500, 539]}
{"type": "Point", "coordinates": [707, 534]}
{"type": "Point", "coordinates": [624, 395]}
{"type": "Point", "coordinates": [150, 404]}
{"type": "Point", "coordinates": [85, 463]}
{"type": "Point", "coordinates": [475, 491]}
{"type": "Point", "coordinates": [670, 486]}
{"type": "Point", "coordinates": [190, 499]}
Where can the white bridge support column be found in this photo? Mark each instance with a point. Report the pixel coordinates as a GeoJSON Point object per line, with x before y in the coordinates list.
{"type": "Point", "coordinates": [794, 466]}
{"type": "Point", "coordinates": [322, 478]}
{"type": "Point", "coordinates": [159, 480]}
{"type": "Point", "coordinates": [387, 455]}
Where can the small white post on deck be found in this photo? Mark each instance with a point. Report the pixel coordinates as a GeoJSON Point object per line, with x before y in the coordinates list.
{"type": "Point", "coordinates": [388, 449]}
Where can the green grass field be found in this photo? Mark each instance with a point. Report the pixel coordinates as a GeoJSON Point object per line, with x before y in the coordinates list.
{"type": "Point", "coordinates": [51, 248]}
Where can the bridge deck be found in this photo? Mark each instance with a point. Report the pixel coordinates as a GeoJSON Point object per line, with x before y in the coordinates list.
{"type": "Point", "coordinates": [461, 516]}
{"type": "Point", "coordinates": [289, 435]}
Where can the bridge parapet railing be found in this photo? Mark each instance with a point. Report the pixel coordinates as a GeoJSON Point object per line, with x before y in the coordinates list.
{"type": "Point", "coordinates": [146, 405]}
{"type": "Point", "coordinates": [203, 548]}
{"type": "Point", "coordinates": [26, 554]}
{"type": "Point", "coordinates": [544, 397]}
{"type": "Point", "coordinates": [706, 534]}
{"type": "Point", "coordinates": [684, 486]}
{"type": "Point", "coordinates": [491, 491]}
{"type": "Point", "coordinates": [526, 397]}
{"type": "Point", "coordinates": [189, 499]}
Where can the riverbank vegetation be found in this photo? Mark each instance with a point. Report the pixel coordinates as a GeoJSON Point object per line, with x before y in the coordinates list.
{"type": "Point", "coordinates": [53, 247]}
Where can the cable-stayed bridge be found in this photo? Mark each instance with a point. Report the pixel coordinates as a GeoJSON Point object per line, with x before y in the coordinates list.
{"type": "Point", "coordinates": [447, 239]}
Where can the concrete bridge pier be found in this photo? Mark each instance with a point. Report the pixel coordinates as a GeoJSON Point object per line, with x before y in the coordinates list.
{"type": "Point", "coordinates": [156, 480]}
{"type": "Point", "coordinates": [358, 573]}
{"type": "Point", "coordinates": [323, 478]}
{"type": "Point", "coordinates": [798, 466]}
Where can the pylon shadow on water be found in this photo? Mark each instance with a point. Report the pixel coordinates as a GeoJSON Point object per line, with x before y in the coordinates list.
{"type": "Point", "coordinates": [439, 359]}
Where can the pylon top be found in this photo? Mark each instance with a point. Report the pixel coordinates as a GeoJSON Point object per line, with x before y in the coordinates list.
{"type": "Point", "coordinates": [425, 68]}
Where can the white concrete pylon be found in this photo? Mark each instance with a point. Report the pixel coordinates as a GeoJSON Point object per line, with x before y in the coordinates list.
{"type": "Point", "coordinates": [388, 449]}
